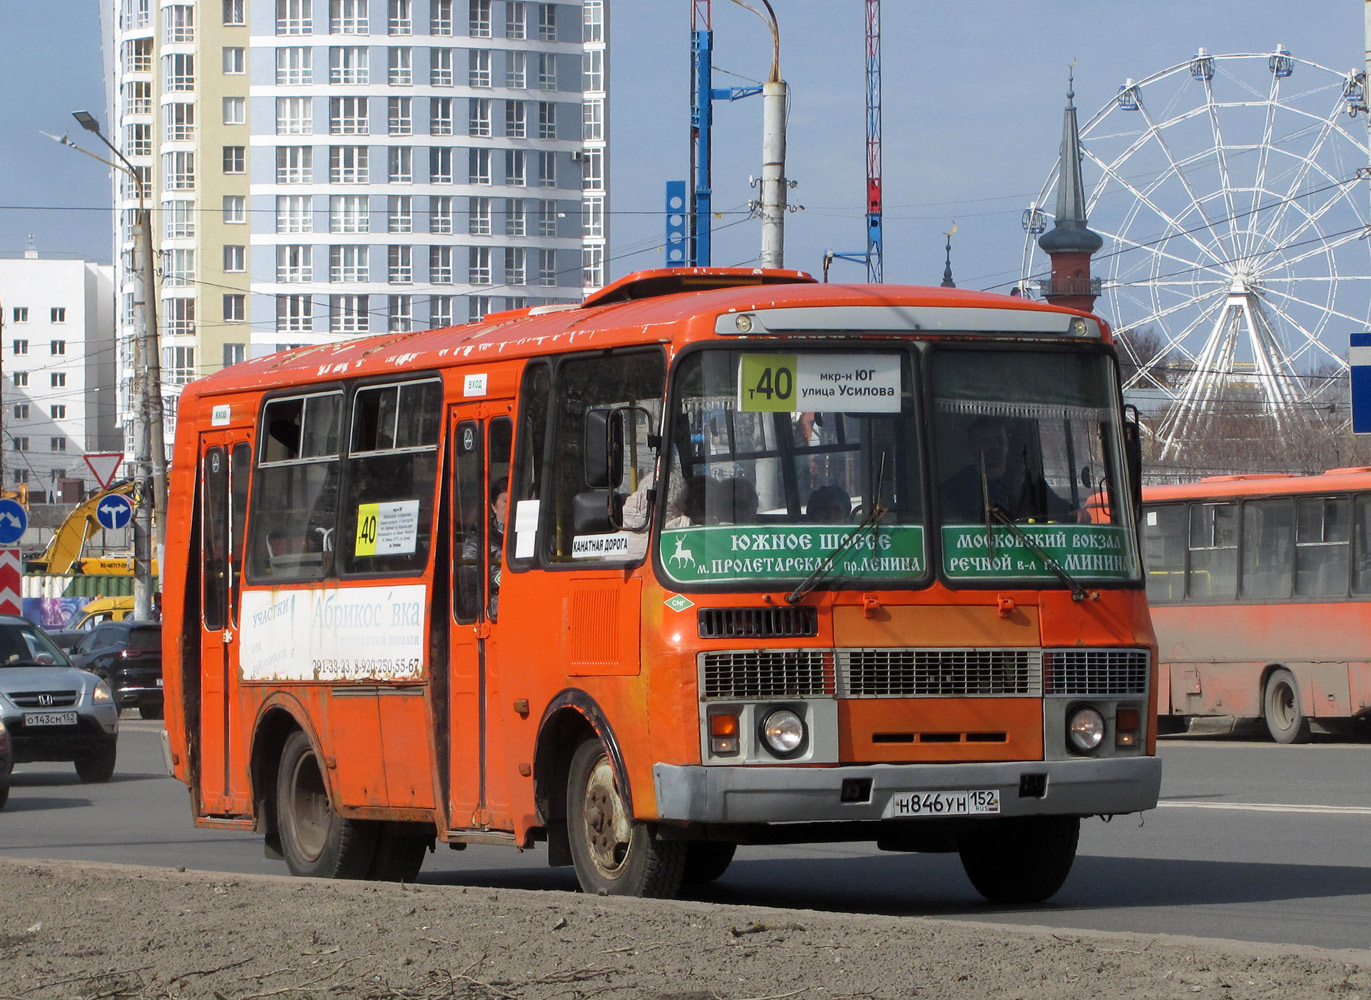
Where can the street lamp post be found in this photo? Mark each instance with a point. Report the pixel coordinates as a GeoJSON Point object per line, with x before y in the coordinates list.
{"type": "Point", "coordinates": [150, 461]}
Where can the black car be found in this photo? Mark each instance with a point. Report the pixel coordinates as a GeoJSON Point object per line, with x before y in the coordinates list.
{"type": "Point", "coordinates": [127, 654]}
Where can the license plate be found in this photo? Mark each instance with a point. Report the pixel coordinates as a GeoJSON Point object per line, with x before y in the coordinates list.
{"type": "Point", "coordinates": [49, 718]}
{"type": "Point", "coordinates": [973, 802]}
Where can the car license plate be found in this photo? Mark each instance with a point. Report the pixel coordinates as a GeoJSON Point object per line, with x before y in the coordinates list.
{"type": "Point", "coordinates": [49, 718]}
{"type": "Point", "coordinates": [973, 802]}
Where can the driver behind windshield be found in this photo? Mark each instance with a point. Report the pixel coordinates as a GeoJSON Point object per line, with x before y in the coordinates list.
{"type": "Point", "coordinates": [1017, 493]}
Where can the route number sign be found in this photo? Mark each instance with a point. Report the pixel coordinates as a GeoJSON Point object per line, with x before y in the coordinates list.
{"type": "Point", "coordinates": [798, 383]}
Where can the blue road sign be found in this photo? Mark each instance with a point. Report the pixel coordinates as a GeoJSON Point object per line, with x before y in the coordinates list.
{"type": "Point", "coordinates": [114, 512]}
{"type": "Point", "coordinates": [1359, 357]}
{"type": "Point", "coordinates": [13, 520]}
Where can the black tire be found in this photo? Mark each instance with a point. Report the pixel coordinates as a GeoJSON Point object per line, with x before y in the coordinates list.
{"type": "Point", "coordinates": [4, 792]}
{"type": "Point", "coordinates": [707, 860]}
{"type": "Point", "coordinates": [1281, 709]}
{"type": "Point", "coordinates": [1019, 860]}
{"type": "Point", "coordinates": [613, 854]}
{"type": "Point", "coordinates": [149, 711]}
{"type": "Point", "coordinates": [399, 853]}
{"type": "Point", "coordinates": [315, 840]}
{"type": "Point", "coordinates": [96, 765]}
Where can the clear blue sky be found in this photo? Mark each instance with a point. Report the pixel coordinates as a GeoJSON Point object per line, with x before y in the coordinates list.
{"type": "Point", "coordinates": [973, 92]}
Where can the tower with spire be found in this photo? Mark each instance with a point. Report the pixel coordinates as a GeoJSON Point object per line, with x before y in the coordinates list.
{"type": "Point", "coordinates": [1070, 243]}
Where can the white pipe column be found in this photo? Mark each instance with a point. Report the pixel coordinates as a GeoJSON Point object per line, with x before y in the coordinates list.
{"type": "Point", "coordinates": [773, 172]}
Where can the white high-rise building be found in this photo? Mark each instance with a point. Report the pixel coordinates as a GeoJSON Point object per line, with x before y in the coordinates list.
{"type": "Point", "coordinates": [323, 169]}
{"type": "Point", "coordinates": [57, 355]}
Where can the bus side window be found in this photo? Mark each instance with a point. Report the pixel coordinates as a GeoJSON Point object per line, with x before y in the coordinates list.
{"type": "Point", "coordinates": [1164, 552]}
{"type": "Point", "coordinates": [526, 473]}
{"type": "Point", "coordinates": [1361, 539]}
{"type": "Point", "coordinates": [1321, 546]}
{"type": "Point", "coordinates": [1267, 540]}
{"type": "Point", "coordinates": [1213, 551]}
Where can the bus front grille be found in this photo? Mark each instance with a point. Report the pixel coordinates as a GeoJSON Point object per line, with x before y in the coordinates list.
{"type": "Point", "coordinates": [939, 672]}
{"type": "Point", "coordinates": [767, 673]}
{"type": "Point", "coordinates": [758, 623]}
{"type": "Point", "coordinates": [1095, 671]}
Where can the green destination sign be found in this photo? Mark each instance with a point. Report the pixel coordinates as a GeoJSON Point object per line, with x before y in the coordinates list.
{"type": "Point", "coordinates": [1092, 551]}
{"type": "Point", "coordinates": [721, 553]}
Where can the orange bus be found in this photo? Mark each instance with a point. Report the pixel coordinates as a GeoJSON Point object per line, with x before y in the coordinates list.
{"type": "Point", "coordinates": [1260, 589]}
{"type": "Point", "coordinates": [705, 560]}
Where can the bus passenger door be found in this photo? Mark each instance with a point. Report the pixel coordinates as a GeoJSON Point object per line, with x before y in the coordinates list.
{"type": "Point", "coordinates": [223, 771]}
{"type": "Point", "coordinates": [479, 789]}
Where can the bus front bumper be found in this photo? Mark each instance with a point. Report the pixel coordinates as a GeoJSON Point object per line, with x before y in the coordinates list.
{"type": "Point", "coordinates": [781, 794]}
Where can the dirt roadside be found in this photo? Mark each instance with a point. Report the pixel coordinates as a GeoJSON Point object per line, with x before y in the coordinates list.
{"type": "Point", "coordinates": [71, 930]}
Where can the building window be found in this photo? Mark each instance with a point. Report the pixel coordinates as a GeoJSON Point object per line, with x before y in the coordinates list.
{"type": "Point", "coordinates": [348, 64]}
{"type": "Point", "coordinates": [400, 67]}
{"type": "Point", "coordinates": [547, 120]}
{"type": "Point", "coordinates": [400, 213]}
{"type": "Point", "coordinates": [440, 265]}
{"type": "Point", "coordinates": [21, 379]}
{"type": "Point", "coordinates": [516, 70]}
{"type": "Point", "coordinates": [478, 67]}
{"type": "Point", "coordinates": [547, 71]}
{"type": "Point", "coordinates": [294, 164]}
{"type": "Point", "coordinates": [233, 12]}
{"type": "Point", "coordinates": [547, 22]}
{"type": "Point", "coordinates": [178, 268]}
{"type": "Point", "coordinates": [593, 70]}
{"type": "Point", "coordinates": [592, 169]}
{"type": "Point", "coordinates": [293, 263]}
{"type": "Point", "coordinates": [235, 308]}
{"type": "Point", "coordinates": [57, 348]}
{"type": "Point", "coordinates": [294, 213]}
{"type": "Point", "coordinates": [400, 264]}
{"type": "Point", "coordinates": [516, 168]}
{"type": "Point", "coordinates": [516, 222]}
{"type": "Point", "coordinates": [58, 380]}
{"type": "Point", "coordinates": [138, 97]}
{"type": "Point", "coordinates": [593, 120]}
{"type": "Point", "coordinates": [347, 263]}
{"type": "Point", "coordinates": [440, 310]}
{"type": "Point", "coordinates": [347, 17]}
{"type": "Point", "coordinates": [440, 214]}
{"type": "Point", "coordinates": [178, 72]}
{"type": "Point", "coordinates": [21, 443]}
{"type": "Point", "coordinates": [138, 56]}
{"type": "Point", "coordinates": [440, 116]}
{"type": "Point", "coordinates": [401, 312]}
{"type": "Point", "coordinates": [178, 365]}
{"type": "Point", "coordinates": [234, 353]}
{"type": "Point", "coordinates": [516, 19]}
{"type": "Point", "coordinates": [516, 120]}
{"type": "Point", "coordinates": [235, 60]}
{"type": "Point", "coordinates": [477, 307]}
{"type": "Point", "coordinates": [478, 166]}
{"type": "Point", "coordinates": [547, 169]}
{"type": "Point", "coordinates": [400, 20]}
{"type": "Point", "coordinates": [178, 23]}
{"type": "Point", "coordinates": [20, 476]}
{"type": "Point", "coordinates": [478, 116]}
{"type": "Point", "coordinates": [593, 21]}
{"type": "Point", "coordinates": [349, 213]}
{"type": "Point", "coordinates": [348, 116]}
{"type": "Point", "coordinates": [57, 411]}
{"type": "Point", "coordinates": [478, 18]}
{"type": "Point", "coordinates": [138, 140]}
{"type": "Point", "coordinates": [347, 313]}
{"type": "Point", "coordinates": [516, 266]}
{"type": "Point", "coordinates": [478, 216]}
{"type": "Point", "coordinates": [294, 17]}
{"type": "Point", "coordinates": [294, 313]}
{"type": "Point", "coordinates": [347, 164]}
{"type": "Point", "coordinates": [547, 267]}
{"type": "Point", "coordinates": [593, 266]}
{"type": "Point", "coordinates": [235, 258]}
{"type": "Point", "coordinates": [294, 115]}
{"type": "Point", "coordinates": [400, 164]}
{"type": "Point", "coordinates": [235, 110]}
{"type": "Point", "coordinates": [21, 411]}
{"type": "Point", "coordinates": [178, 219]}
{"type": "Point", "coordinates": [478, 265]}
{"type": "Point", "coordinates": [178, 317]}
{"type": "Point", "coordinates": [179, 171]}
{"type": "Point", "coordinates": [235, 159]}
{"type": "Point", "coordinates": [294, 66]}
{"type": "Point", "coordinates": [58, 444]}
{"type": "Point", "coordinates": [440, 67]}
{"type": "Point", "coordinates": [58, 314]}
{"type": "Point", "coordinates": [440, 165]}
{"type": "Point", "coordinates": [440, 17]}
{"type": "Point", "coordinates": [21, 315]}
{"type": "Point", "coordinates": [400, 116]}
{"type": "Point", "coordinates": [235, 209]}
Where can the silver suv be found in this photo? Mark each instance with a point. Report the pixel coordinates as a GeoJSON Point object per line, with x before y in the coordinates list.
{"type": "Point", "coordinates": [53, 711]}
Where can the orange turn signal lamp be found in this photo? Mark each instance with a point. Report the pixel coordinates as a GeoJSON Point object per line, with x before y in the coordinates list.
{"type": "Point", "coordinates": [723, 733]}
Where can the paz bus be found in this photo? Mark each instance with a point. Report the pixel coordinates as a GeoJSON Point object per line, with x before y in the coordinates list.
{"type": "Point", "coordinates": [1261, 593]}
{"type": "Point", "coordinates": [665, 572]}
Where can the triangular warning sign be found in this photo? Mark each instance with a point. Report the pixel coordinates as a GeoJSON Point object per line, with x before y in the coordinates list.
{"type": "Point", "coordinates": [103, 465]}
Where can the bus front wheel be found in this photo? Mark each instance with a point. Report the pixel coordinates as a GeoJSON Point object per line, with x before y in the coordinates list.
{"type": "Point", "coordinates": [1020, 859]}
{"type": "Point", "coordinates": [315, 840]}
{"type": "Point", "coordinates": [1284, 719]}
{"type": "Point", "coordinates": [613, 854]}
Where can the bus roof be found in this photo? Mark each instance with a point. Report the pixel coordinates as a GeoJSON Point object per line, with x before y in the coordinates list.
{"type": "Point", "coordinates": [617, 315]}
{"type": "Point", "coordinates": [1259, 485]}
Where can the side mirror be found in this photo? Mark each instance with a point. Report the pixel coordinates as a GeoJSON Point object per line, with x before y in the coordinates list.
{"type": "Point", "coordinates": [1132, 447]}
{"type": "Point", "coordinates": [604, 448]}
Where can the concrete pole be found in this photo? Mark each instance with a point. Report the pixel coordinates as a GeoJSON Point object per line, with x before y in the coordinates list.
{"type": "Point", "coordinates": [143, 501]}
{"type": "Point", "coordinates": [773, 172]}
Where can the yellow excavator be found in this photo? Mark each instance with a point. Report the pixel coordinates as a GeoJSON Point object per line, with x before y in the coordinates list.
{"type": "Point", "coordinates": [65, 551]}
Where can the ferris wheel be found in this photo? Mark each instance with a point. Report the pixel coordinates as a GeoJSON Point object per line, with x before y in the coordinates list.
{"type": "Point", "coordinates": [1232, 195]}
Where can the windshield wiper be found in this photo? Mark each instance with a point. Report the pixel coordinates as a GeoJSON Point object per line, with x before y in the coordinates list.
{"type": "Point", "coordinates": [1078, 593]}
{"type": "Point", "coordinates": [870, 521]}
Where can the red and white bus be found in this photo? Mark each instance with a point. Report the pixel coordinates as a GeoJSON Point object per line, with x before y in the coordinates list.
{"type": "Point", "coordinates": [1261, 593]}
{"type": "Point", "coordinates": [717, 557]}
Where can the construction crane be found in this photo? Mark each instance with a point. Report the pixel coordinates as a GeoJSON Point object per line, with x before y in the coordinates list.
{"type": "Point", "coordinates": [875, 244]}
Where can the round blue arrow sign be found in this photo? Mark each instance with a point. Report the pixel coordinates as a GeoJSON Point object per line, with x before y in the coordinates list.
{"type": "Point", "coordinates": [114, 512]}
{"type": "Point", "coordinates": [13, 520]}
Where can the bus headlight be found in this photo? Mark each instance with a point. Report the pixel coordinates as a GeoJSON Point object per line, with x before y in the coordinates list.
{"type": "Point", "coordinates": [1085, 729]}
{"type": "Point", "coordinates": [783, 732]}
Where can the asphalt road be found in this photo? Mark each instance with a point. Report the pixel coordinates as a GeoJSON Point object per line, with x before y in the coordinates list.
{"type": "Point", "coordinates": [1252, 841]}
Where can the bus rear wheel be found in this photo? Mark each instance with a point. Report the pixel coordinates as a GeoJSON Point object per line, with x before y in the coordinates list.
{"type": "Point", "coordinates": [613, 854]}
{"type": "Point", "coordinates": [1021, 859]}
{"type": "Point", "coordinates": [1284, 720]}
{"type": "Point", "coordinates": [315, 840]}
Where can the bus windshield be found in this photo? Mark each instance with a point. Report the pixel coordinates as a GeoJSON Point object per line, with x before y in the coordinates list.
{"type": "Point", "coordinates": [784, 464]}
{"type": "Point", "coordinates": [1029, 463]}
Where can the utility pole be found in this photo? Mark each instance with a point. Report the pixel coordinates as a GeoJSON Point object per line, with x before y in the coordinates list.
{"type": "Point", "coordinates": [773, 206]}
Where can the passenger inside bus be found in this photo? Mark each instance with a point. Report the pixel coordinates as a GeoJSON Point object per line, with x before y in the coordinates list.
{"type": "Point", "coordinates": [990, 476]}
{"type": "Point", "coordinates": [499, 509]}
{"type": "Point", "coordinates": [829, 504]}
